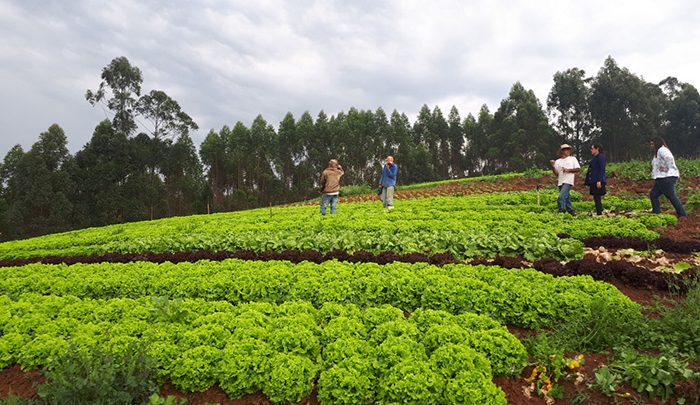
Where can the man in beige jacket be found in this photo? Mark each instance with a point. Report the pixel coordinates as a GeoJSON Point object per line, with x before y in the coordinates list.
{"type": "Point", "coordinates": [330, 185]}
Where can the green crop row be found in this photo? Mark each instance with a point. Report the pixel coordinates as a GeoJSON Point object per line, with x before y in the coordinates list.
{"type": "Point", "coordinates": [500, 224]}
{"type": "Point", "coordinates": [641, 170]}
{"type": "Point", "coordinates": [355, 356]}
{"type": "Point", "coordinates": [635, 170]}
{"type": "Point", "coordinates": [494, 177]}
{"type": "Point", "coordinates": [517, 297]}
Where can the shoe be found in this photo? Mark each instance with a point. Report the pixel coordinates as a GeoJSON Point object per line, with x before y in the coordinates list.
{"type": "Point", "coordinates": [390, 207]}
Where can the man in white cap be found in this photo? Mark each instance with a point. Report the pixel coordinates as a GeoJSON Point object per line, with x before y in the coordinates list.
{"type": "Point", "coordinates": [565, 168]}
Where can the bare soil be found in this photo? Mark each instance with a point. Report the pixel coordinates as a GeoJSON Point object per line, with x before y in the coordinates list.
{"type": "Point", "coordinates": [15, 382]}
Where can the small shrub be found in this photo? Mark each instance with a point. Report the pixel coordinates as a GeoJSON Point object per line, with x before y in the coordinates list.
{"type": "Point", "coordinates": [356, 189]}
{"type": "Point", "coordinates": [605, 326]}
{"type": "Point", "coordinates": [650, 375]}
{"type": "Point", "coordinates": [693, 201]}
{"type": "Point", "coordinates": [95, 376]}
{"type": "Point", "coordinates": [677, 329]}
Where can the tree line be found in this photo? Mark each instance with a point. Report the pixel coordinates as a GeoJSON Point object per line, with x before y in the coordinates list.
{"type": "Point", "coordinates": [142, 163]}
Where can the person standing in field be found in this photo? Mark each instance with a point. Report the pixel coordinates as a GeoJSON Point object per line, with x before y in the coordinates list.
{"type": "Point", "coordinates": [330, 186]}
{"type": "Point", "coordinates": [665, 174]}
{"type": "Point", "coordinates": [388, 182]}
{"type": "Point", "coordinates": [595, 177]}
{"type": "Point", "coordinates": [565, 168]}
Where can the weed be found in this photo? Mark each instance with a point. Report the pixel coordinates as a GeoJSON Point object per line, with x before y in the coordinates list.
{"type": "Point", "coordinates": [96, 376]}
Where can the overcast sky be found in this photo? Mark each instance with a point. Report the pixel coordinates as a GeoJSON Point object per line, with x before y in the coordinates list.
{"type": "Point", "coordinates": [225, 61]}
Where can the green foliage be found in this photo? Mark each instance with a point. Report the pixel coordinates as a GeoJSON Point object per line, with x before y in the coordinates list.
{"type": "Point", "coordinates": [518, 297]}
{"type": "Point", "coordinates": [451, 360]}
{"type": "Point", "coordinates": [351, 382]}
{"type": "Point", "coordinates": [676, 329]}
{"type": "Point", "coordinates": [91, 375]}
{"type": "Point", "coordinates": [342, 327]}
{"type": "Point", "coordinates": [396, 349]}
{"type": "Point", "coordinates": [344, 348]}
{"type": "Point", "coordinates": [347, 191]}
{"type": "Point", "coordinates": [252, 326]}
{"type": "Point", "coordinates": [291, 378]}
{"type": "Point", "coordinates": [693, 201]}
{"type": "Point", "coordinates": [195, 369]}
{"type": "Point", "coordinates": [440, 335]}
{"type": "Point", "coordinates": [534, 173]}
{"type": "Point", "coordinates": [15, 400]}
{"type": "Point", "coordinates": [390, 329]}
{"type": "Point", "coordinates": [505, 352]}
{"type": "Point", "coordinates": [641, 169]}
{"type": "Point", "coordinates": [156, 399]}
{"type": "Point", "coordinates": [40, 349]}
{"type": "Point", "coordinates": [497, 224]}
{"type": "Point", "coordinates": [411, 381]}
{"type": "Point", "coordinates": [244, 366]}
{"type": "Point", "coordinates": [651, 375]}
{"type": "Point", "coordinates": [606, 381]}
{"type": "Point", "coordinates": [600, 328]}
{"type": "Point", "coordinates": [468, 388]}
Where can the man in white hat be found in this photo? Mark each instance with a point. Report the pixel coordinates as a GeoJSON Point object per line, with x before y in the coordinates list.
{"type": "Point", "coordinates": [565, 168]}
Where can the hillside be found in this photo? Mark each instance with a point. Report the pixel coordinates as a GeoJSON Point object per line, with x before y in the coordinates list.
{"type": "Point", "coordinates": [470, 291]}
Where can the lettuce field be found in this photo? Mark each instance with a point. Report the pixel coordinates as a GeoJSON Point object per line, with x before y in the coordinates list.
{"type": "Point", "coordinates": [456, 298]}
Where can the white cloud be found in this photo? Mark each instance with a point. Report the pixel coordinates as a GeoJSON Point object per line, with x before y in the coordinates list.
{"type": "Point", "coordinates": [227, 61]}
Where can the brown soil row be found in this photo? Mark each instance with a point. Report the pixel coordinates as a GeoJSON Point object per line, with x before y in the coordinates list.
{"type": "Point", "coordinates": [620, 271]}
{"type": "Point", "coordinates": [666, 244]}
{"type": "Point", "coordinates": [294, 256]}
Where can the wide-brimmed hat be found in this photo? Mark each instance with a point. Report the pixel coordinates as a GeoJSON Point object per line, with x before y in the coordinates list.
{"type": "Point", "coordinates": [565, 146]}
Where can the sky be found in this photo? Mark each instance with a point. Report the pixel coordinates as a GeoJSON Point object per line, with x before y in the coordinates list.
{"type": "Point", "coordinates": [228, 61]}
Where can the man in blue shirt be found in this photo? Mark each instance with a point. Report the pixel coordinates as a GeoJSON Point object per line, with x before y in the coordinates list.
{"type": "Point", "coordinates": [388, 181]}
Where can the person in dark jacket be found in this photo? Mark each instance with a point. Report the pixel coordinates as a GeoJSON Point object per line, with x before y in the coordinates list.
{"type": "Point", "coordinates": [595, 177]}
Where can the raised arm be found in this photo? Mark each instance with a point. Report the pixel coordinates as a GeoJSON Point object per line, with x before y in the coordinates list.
{"type": "Point", "coordinates": [554, 167]}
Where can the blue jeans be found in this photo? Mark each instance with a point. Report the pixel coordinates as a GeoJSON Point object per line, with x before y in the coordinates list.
{"type": "Point", "coordinates": [325, 199]}
{"type": "Point", "coordinates": [665, 186]}
{"type": "Point", "coordinates": [564, 200]}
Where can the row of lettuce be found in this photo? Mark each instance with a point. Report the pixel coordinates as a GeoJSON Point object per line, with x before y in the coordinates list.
{"type": "Point", "coordinates": [360, 333]}
{"type": "Point", "coordinates": [634, 170]}
{"type": "Point", "coordinates": [491, 225]}
{"type": "Point", "coordinates": [526, 298]}
{"type": "Point", "coordinates": [356, 355]}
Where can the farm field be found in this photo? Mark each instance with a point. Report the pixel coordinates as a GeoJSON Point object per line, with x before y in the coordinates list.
{"type": "Point", "coordinates": [469, 292]}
